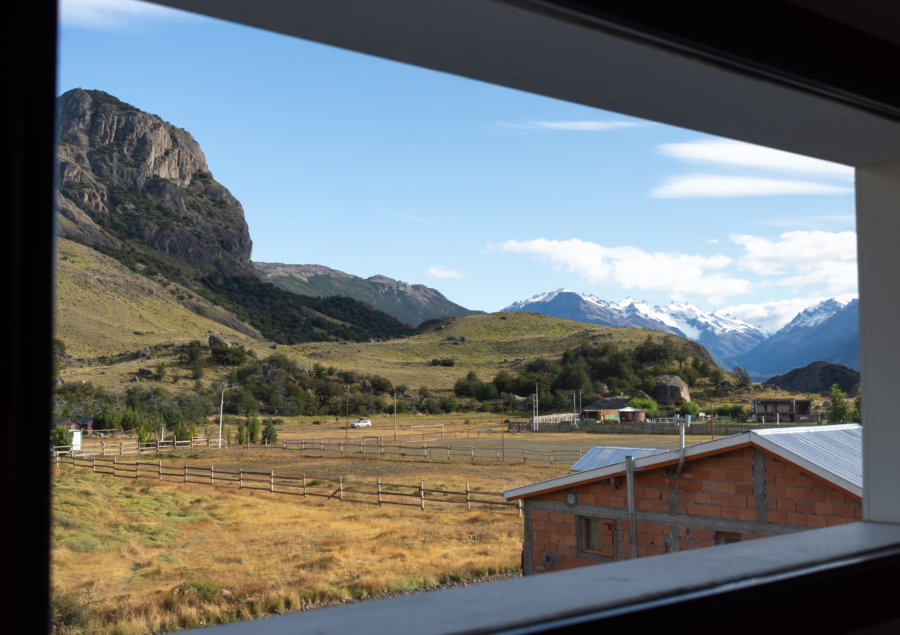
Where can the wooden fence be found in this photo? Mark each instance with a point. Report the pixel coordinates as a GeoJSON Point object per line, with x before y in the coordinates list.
{"type": "Point", "coordinates": [445, 452]}
{"type": "Point", "coordinates": [366, 492]}
{"type": "Point", "coordinates": [369, 446]}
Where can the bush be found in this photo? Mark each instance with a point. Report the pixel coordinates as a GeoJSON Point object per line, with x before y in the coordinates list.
{"type": "Point", "coordinates": [269, 433]}
{"type": "Point", "coordinates": [689, 408]}
{"type": "Point", "coordinates": [61, 436]}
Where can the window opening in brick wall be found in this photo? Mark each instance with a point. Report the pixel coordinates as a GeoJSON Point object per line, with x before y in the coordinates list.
{"type": "Point", "coordinates": [598, 537]}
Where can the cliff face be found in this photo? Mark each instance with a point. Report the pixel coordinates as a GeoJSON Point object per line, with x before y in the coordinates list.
{"type": "Point", "coordinates": [128, 178]}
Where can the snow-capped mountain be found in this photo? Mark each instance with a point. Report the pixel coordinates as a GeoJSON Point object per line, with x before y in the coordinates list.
{"type": "Point", "coordinates": [722, 335]}
{"type": "Point", "coordinates": [828, 331]}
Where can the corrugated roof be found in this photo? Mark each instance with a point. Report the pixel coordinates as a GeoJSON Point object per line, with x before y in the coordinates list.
{"type": "Point", "coordinates": [833, 453]}
{"type": "Point", "coordinates": [601, 456]}
{"type": "Point", "coordinates": [837, 449]}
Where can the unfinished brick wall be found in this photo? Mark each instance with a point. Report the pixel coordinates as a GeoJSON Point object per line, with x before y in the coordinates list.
{"type": "Point", "coordinates": [738, 495]}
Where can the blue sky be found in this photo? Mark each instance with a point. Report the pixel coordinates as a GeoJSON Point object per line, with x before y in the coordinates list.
{"type": "Point", "coordinates": [488, 194]}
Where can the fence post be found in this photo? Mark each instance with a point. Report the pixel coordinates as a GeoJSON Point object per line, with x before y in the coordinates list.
{"type": "Point", "coordinates": [185, 472]}
{"type": "Point", "coordinates": [551, 457]}
{"type": "Point", "coordinates": [94, 464]}
{"type": "Point", "coordinates": [341, 488]}
{"type": "Point", "coordinates": [207, 442]}
{"type": "Point", "coordinates": [114, 467]}
{"type": "Point", "coordinates": [403, 449]}
{"type": "Point", "coordinates": [241, 479]}
{"type": "Point", "coordinates": [121, 448]}
{"type": "Point", "coordinates": [160, 470]}
{"type": "Point", "coordinates": [272, 482]}
{"type": "Point", "coordinates": [468, 500]}
{"type": "Point", "coordinates": [212, 469]}
{"type": "Point", "coordinates": [425, 449]}
{"type": "Point", "coordinates": [422, 493]}
{"type": "Point", "coordinates": [472, 450]}
{"type": "Point", "coordinates": [304, 485]}
{"type": "Point", "coordinates": [524, 456]}
{"type": "Point", "coordinates": [157, 445]}
{"type": "Point", "coordinates": [448, 454]}
{"type": "Point", "coordinates": [379, 492]}
{"type": "Point", "coordinates": [137, 467]}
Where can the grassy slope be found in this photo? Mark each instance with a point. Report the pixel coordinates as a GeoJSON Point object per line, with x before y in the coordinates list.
{"type": "Point", "coordinates": [100, 305]}
{"type": "Point", "coordinates": [495, 342]}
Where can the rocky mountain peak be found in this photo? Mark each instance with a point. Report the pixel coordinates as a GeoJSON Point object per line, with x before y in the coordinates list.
{"type": "Point", "coordinates": [130, 180]}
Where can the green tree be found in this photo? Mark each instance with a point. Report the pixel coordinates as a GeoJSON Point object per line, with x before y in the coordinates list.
{"type": "Point", "coordinates": [856, 411]}
{"type": "Point", "coordinates": [61, 436]}
{"type": "Point", "coordinates": [644, 403]}
{"type": "Point", "coordinates": [269, 433]}
{"type": "Point", "coordinates": [689, 408]}
{"type": "Point", "coordinates": [252, 428]}
{"type": "Point", "coordinates": [839, 412]}
{"type": "Point", "coordinates": [743, 376]}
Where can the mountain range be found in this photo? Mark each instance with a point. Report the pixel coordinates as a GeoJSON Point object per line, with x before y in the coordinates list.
{"type": "Point", "coordinates": [828, 331]}
{"type": "Point", "coordinates": [410, 303]}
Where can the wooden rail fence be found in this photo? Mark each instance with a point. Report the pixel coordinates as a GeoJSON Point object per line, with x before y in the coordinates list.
{"type": "Point", "coordinates": [368, 446]}
{"type": "Point", "coordinates": [366, 492]}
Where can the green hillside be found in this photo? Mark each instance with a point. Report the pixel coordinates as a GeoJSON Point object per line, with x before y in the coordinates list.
{"type": "Point", "coordinates": [104, 308]}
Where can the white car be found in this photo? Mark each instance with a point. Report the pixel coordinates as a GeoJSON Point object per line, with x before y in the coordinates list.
{"type": "Point", "coordinates": [361, 423]}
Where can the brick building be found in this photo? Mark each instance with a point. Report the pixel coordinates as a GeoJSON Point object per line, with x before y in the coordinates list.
{"type": "Point", "coordinates": [745, 486]}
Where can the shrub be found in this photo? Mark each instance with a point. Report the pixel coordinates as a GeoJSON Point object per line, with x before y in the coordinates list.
{"type": "Point", "coordinates": [269, 433]}
{"type": "Point", "coordinates": [61, 436]}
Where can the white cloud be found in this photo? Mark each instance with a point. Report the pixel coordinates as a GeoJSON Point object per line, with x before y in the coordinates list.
{"type": "Point", "coordinates": [443, 272]}
{"type": "Point", "coordinates": [115, 14]}
{"type": "Point", "coordinates": [746, 155]}
{"type": "Point", "coordinates": [807, 221]}
{"type": "Point", "coordinates": [676, 274]}
{"type": "Point", "coordinates": [801, 258]}
{"type": "Point", "coordinates": [581, 126]}
{"type": "Point", "coordinates": [770, 316]}
{"type": "Point", "coordinates": [718, 185]}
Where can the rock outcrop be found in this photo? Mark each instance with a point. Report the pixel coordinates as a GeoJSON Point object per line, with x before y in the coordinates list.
{"type": "Point", "coordinates": [671, 389]}
{"type": "Point", "coordinates": [129, 178]}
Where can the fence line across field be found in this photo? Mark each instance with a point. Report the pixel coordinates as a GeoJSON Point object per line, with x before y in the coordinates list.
{"type": "Point", "coordinates": [374, 446]}
{"type": "Point", "coordinates": [379, 492]}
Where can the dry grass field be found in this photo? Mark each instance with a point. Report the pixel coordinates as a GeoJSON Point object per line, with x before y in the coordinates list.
{"type": "Point", "coordinates": [139, 556]}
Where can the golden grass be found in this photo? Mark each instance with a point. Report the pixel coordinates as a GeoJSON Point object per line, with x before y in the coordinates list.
{"type": "Point", "coordinates": [136, 556]}
{"type": "Point", "coordinates": [156, 556]}
{"type": "Point", "coordinates": [100, 304]}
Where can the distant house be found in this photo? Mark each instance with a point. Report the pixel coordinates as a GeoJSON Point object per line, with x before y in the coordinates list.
{"type": "Point", "coordinates": [631, 415]}
{"type": "Point", "coordinates": [69, 423]}
{"type": "Point", "coordinates": [745, 486]}
{"type": "Point", "coordinates": [778, 410]}
{"type": "Point", "coordinates": [604, 409]}
{"type": "Point", "coordinates": [86, 424]}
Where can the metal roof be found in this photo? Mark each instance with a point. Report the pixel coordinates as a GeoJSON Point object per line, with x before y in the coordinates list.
{"type": "Point", "coordinates": [601, 456]}
{"type": "Point", "coordinates": [836, 449]}
{"type": "Point", "coordinates": [833, 453]}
